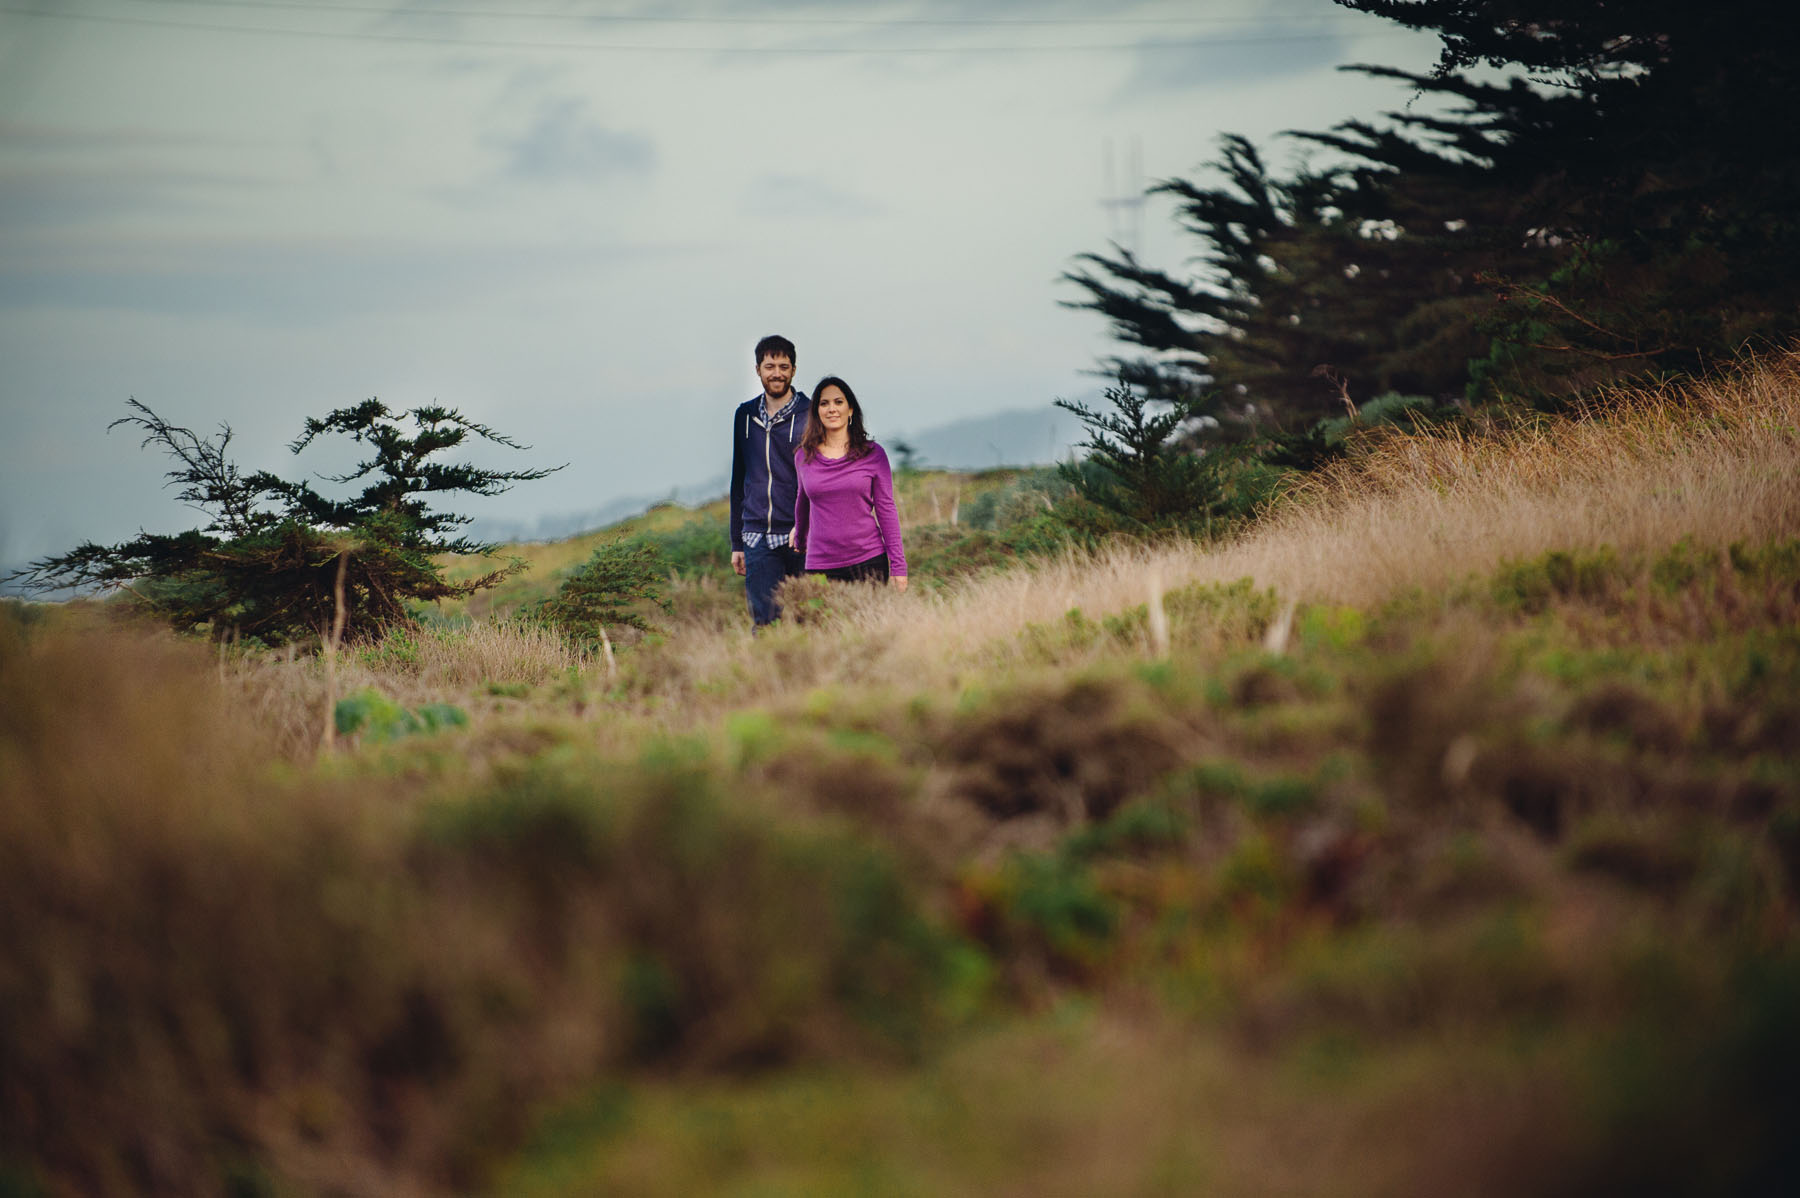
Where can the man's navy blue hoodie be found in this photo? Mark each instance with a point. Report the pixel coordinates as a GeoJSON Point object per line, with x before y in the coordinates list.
{"type": "Point", "coordinates": [762, 468]}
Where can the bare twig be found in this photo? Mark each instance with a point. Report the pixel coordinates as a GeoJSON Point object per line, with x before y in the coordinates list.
{"type": "Point", "coordinates": [612, 666]}
{"type": "Point", "coordinates": [1549, 300]}
{"type": "Point", "coordinates": [328, 741]}
{"type": "Point", "coordinates": [1276, 639]}
{"type": "Point", "coordinates": [1332, 375]}
{"type": "Point", "coordinates": [1159, 619]}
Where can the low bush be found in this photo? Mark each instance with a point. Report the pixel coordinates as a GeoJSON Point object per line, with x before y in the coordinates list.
{"type": "Point", "coordinates": [617, 587]}
{"type": "Point", "coordinates": [364, 983]}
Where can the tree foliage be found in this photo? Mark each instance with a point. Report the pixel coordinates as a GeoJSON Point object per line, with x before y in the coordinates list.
{"type": "Point", "coordinates": [1138, 467]}
{"type": "Point", "coordinates": [280, 561]}
{"type": "Point", "coordinates": [1618, 206]}
{"type": "Point", "coordinates": [613, 587]}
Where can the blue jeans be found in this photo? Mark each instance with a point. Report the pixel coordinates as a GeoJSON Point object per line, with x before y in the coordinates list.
{"type": "Point", "coordinates": [764, 569]}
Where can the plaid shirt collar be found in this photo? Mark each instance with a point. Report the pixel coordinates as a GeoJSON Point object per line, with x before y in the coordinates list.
{"type": "Point", "coordinates": [787, 409]}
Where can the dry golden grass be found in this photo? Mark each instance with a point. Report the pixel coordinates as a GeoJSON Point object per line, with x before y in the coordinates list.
{"type": "Point", "coordinates": [367, 973]}
{"type": "Point", "coordinates": [479, 652]}
{"type": "Point", "coordinates": [1715, 462]}
{"type": "Point", "coordinates": [478, 664]}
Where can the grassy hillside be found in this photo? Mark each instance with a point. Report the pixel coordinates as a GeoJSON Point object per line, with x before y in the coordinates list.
{"type": "Point", "coordinates": [696, 540]}
{"type": "Point", "coordinates": [1439, 833]}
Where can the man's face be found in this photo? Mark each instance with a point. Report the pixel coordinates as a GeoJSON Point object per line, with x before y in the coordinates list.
{"type": "Point", "coordinates": [777, 374]}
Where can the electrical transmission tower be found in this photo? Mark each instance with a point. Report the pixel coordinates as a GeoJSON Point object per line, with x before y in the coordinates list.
{"type": "Point", "coordinates": [1124, 197]}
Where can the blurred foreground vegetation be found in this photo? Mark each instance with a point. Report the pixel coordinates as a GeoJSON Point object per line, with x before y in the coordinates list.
{"type": "Point", "coordinates": [1480, 888]}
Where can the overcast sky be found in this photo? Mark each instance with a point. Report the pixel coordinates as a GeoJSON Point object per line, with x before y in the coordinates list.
{"type": "Point", "coordinates": [573, 223]}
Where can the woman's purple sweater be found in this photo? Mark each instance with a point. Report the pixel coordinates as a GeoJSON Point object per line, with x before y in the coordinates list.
{"type": "Point", "coordinates": [844, 511]}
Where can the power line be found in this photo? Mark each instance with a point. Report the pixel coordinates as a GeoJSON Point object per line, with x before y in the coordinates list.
{"type": "Point", "coordinates": [638, 48]}
{"type": "Point", "coordinates": [1124, 199]}
{"type": "Point", "coordinates": [701, 19]}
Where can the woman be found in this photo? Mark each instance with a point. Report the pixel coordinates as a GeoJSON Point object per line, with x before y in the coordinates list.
{"type": "Point", "coordinates": [844, 516]}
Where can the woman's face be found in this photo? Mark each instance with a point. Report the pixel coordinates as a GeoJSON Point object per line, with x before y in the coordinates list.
{"type": "Point", "coordinates": [834, 408]}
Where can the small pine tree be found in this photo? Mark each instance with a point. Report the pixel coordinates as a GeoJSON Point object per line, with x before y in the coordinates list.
{"type": "Point", "coordinates": [1137, 468]}
{"type": "Point", "coordinates": [613, 587]}
{"type": "Point", "coordinates": [281, 562]}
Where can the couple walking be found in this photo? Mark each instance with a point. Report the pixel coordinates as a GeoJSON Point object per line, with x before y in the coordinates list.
{"type": "Point", "coordinates": [810, 493]}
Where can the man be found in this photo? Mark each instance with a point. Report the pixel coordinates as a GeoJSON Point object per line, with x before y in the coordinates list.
{"type": "Point", "coordinates": [765, 431]}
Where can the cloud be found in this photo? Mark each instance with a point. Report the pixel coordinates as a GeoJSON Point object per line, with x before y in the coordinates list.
{"type": "Point", "coordinates": [40, 200]}
{"type": "Point", "coordinates": [564, 144]}
{"type": "Point", "coordinates": [803, 197]}
{"type": "Point", "coordinates": [293, 284]}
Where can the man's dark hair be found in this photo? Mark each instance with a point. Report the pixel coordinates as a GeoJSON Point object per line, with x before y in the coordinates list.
{"type": "Point", "coordinates": [774, 344]}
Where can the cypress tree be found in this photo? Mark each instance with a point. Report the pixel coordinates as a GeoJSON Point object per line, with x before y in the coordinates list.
{"type": "Point", "coordinates": [1617, 208]}
{"type": "Point", "coordinates": [279, 561]}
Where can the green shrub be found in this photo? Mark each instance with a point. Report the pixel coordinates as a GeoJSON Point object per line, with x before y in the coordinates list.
{"type": "Point", "coordinates": [376, 718]}
{"type": "Point", "coordinates": [1218, 779]}
{"type": "Point", "coordinates": [1222, 612]}
{"type": "Point", "coordinates": [397, 651]}
{"type": "Point", "coordinates": [1146, 827]}
{"type": "Point", "coordinates": [1532, 585]}
{"type": "Point", "coordinates": [616, 586]}
{"type": "Point", "coordinates": [1137, 469]}
{"type": "Point", "coordinates": [1053, 910]}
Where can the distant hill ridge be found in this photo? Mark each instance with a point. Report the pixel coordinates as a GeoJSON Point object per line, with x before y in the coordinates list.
{"type": "Point", "coordinates": [1022, 437]}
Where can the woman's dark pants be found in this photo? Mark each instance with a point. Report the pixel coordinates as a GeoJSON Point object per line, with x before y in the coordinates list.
{"type": "Point", "coordinates": [873, 570]}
